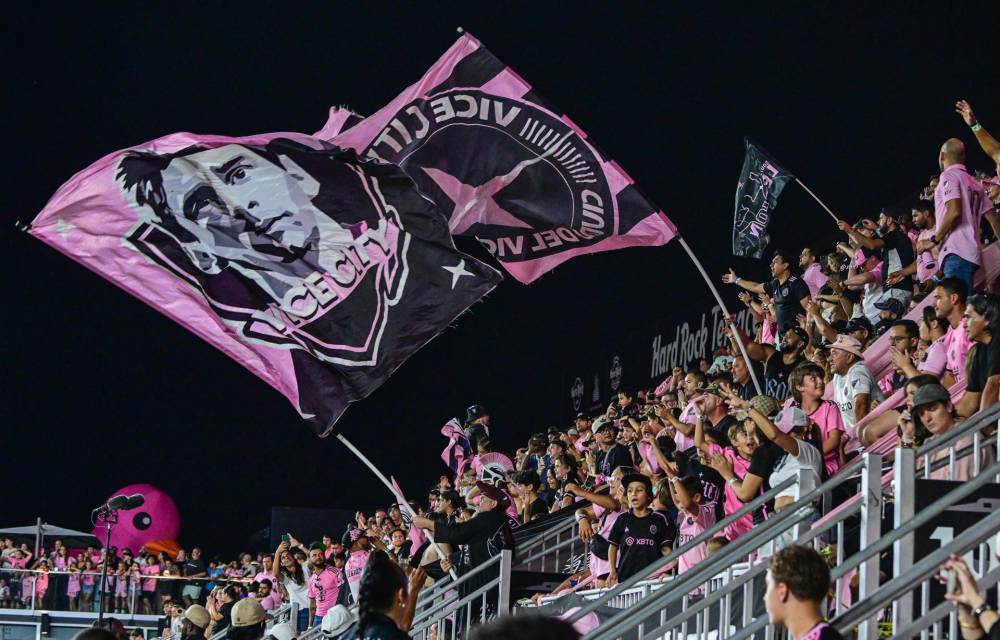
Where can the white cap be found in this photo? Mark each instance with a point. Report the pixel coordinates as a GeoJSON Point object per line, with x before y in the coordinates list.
{"type": "Point", "coordinates": [283, 631]}
{"type": "Point", "coordinates": [336, 621]}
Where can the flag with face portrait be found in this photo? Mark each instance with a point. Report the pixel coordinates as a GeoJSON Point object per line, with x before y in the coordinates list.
{"type": "Point", "coordinates": [319, 272]}
{"type": "Point", "coordinates": [761, 182]}
{"type": "Point", "coordinates": [504, 165]}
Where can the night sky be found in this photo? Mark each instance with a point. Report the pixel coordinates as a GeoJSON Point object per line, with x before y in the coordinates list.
{"type": "Point", "coordinates": [102, 391]}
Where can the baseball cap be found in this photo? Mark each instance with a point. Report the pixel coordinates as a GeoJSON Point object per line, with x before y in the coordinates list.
{"type": "Point", "coordinates": [352, 535]}
{"type": "Point", "coordinates": [860, 322]}
{"type": "Point", "coordinates": [789, 418]}
{"type": "Point", "coordinates": [629, 478]}
{"type": "Point", "coordinates": [582, 416]}
{"type": "Point", "coordinates": [800, 332]}
{"type": "Point", "coordinates": [197, 615]}
{"type": "Point", "coordinates": [601, 423]}
{"type": "Point", "coordinates": [554, 430]}
{"type": "Point", "coordinates": [283, 631]}
{"type": "Point", "coordinates": [247, 612]}
{"type": "Point", "coordinates": [927, 394]}
{"type": "Point", "coordinates": [765, 404]}
{"type": "Point", "coordinates": [336, 621]}
{"type": "Point", "coordinates": [475, 412]}
{"type": "Point", "coordinates": [893, 305]}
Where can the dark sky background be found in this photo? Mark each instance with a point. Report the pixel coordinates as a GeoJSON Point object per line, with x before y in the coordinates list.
{"type": "Point", "coordinates": [102, 391]}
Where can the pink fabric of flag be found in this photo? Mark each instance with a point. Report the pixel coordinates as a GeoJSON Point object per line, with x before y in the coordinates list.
{"type": "Point", "coordinates": [505, 166]}
{"type": "Point", "coordinates": [319, 272]}
{"type": "Point", "coordinates": [457, 452]}
{"type": "Point", "coordinates": [415, 535]}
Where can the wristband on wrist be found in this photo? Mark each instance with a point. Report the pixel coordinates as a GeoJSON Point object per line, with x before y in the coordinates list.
{"type": "Point", "coordinates": [737, 280]}
{"type": "Point", "coordinates": [976, 128]}
{"type": "Point", "coordinates": [981, 609]}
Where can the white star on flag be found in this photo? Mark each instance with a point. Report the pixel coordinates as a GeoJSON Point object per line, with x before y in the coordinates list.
{"type": "Point", "coordinates": [63, 228]}
{"type": "Point", "coordinates": [457, 272]}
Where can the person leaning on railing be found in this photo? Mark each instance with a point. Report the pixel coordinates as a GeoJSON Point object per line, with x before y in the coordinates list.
{"type": "Point", "coordinates": [933, 411]}
{"type": "Point", "coordinates": [976, 617]}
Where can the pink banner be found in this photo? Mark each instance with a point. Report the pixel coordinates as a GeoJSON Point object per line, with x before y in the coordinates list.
{"type": "Point", "coordinates": [318, 272]}
{"type": "Point", "coordinates": [505, 166]}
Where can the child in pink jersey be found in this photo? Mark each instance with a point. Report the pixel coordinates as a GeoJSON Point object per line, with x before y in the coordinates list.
{"type": "Point", "coordinates": [807, 386]}
{"type": "Point", "coordinates": [693, 518]}
{"type": "Point", "coordinates": [73, 586]}
{"type": "Point", "coordinates": [739, 454]}
{"type": "Point", "coordinates": [37, 583]}
{"type": "Point", "coordinates": [121, 587]}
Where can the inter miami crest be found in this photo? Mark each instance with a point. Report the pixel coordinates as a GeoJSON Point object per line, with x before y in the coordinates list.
{"type": "Point", "coordinates": [532, 188]}
{"type": "Point", "coordinates": [505, 166]}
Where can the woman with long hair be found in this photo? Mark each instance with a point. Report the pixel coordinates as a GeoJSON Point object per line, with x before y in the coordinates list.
{"type": "Point", "coordinates": [982, 324]}
{"type": "Point", "coordinates": [386, 600]}
{"type": "Point", "coordinates": [293, 579]}
{"type": "Point", "coordinates": [565, 469]}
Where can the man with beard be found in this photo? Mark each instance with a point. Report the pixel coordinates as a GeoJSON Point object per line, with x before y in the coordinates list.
{"type": "Point", "coordinates": [325, 583]}
{"type": "Point", "coordinates": [778, 363]}
{"type": "Point", "coordinates": [895, 251]}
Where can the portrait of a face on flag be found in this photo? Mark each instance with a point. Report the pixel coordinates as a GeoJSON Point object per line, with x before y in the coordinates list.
{"type": "Point", "coordinates": [319, 272]}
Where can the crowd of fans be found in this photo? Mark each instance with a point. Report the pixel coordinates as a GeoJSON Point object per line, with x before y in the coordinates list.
{"type": "Point", "coordinates": [659, 465]}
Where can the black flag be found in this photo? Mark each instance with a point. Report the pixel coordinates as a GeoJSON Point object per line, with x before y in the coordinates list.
{"type": "Point", "coordinates": [761, 182]}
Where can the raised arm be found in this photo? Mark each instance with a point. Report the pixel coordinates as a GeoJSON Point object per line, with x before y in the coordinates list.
{"type": "Point", "coordinates": [682, 499]}
{"type": "Point", "coordinates": [989, 144]}
{"type": "Point", "coordinates": [699, 433]}
{"type": "Point", "coordinates": [749, 285]}
{"type": "Point", "coordinates": [661, 459]}
{"type": "Point", "coordinates": [824, 327]}
{"type": "Point", "coordinates": [775, 435]}
{"type": "Point", "coordinates": [757, 351]}
{"type": "Point", "coordinates": [746, 488]}
{"type": "Point", "coordinates": [860, 238]}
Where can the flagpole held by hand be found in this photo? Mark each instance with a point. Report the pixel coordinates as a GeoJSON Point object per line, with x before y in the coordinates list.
{"type": "Point", "coordinates": [826, 208]}
{"type": "Point", "coordinates": [725, 312]}
{"type": "Point", "coordinates": [403, 504]}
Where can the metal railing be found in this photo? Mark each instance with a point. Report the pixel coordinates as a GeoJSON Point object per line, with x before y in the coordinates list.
{"type": "Point", "coordinates": [649, 618]}
{"type": "Point", "coordinates": [551, 549]}
{"type": "Point", "coordinates": [467, 602]}
{"type": "Point", "coordinates": [701, 538]}
{"type": "Point", "coordinates": [25, 591]}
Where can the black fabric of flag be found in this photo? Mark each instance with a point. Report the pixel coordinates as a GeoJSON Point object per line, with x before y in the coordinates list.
{"type": "Point", "coordinates": [761, 182]}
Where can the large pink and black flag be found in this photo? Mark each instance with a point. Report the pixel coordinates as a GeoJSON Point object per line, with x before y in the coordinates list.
{"type": "Point", "coordinates": [319, 272]}
{"type": "Point", "coordinates": [505, 165]}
